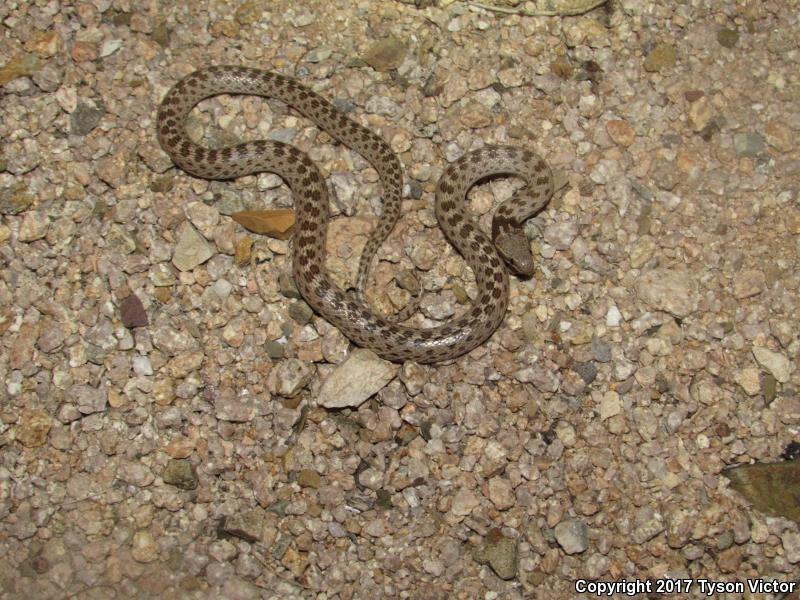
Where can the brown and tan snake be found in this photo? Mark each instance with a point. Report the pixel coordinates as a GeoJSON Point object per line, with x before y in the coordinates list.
{"type": "Point", "coordinates": [347, 311]}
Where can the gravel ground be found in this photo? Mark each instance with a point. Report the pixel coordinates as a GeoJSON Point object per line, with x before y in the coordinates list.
{"type": "Point", "coordinates": [177, 423]}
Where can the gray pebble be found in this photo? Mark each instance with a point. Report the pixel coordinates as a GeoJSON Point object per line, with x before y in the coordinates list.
{"type": "Point", "coordinates": [587, 370]}
{"type": "Point", "coordinates": [572, 536]}
{"type": "Point", "coordinates": [748, 144]}
{"type": "Point", "coordinates": [288, 287]}
{"type": "Point", "coordinates": [600, 350]}
{"type": "Point", "coordinates": [274, 349]}
{"type": "Point", "coordinates": [85, 118]}
{"type": "Point", "coordinates": [300, 312]}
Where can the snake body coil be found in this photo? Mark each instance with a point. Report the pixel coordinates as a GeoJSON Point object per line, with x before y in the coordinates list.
{"type": "Point", "coordinates": [349, 312]}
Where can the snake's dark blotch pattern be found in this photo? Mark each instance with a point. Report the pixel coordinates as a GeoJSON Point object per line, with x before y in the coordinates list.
{"type": "Point", "coordinates": [346, 311]}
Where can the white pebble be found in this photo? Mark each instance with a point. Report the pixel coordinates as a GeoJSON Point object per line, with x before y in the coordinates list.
{"type": "Point", "coordinates": [613, 316]}
{"type": "Point", "coordinates": [222, 288]}
{"type": "Point", "coordinates": [109, 47]}
{"type": "Point", "coordinates": [142, 366]}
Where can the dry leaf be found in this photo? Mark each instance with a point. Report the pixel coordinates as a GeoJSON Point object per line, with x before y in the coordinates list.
{"type": "Point", "coordinates": [773, 488]}
{"type": "Point", "coordinates": [274, 223]}
{"type": "Point", "coordinates": [243, 251]}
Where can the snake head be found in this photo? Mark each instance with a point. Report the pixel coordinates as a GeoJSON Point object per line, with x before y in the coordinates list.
{"type": "Point", "coordinates": [515, 249]}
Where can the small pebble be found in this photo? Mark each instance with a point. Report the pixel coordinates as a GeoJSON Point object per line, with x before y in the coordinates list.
{"type": "Point", "coordinates": [660, 58]}
{"type": "Point", "coordinates": [181, 474]}
{"type": "Point", "coordinates": [132, 312]}
{"type": "Point", "coordinates": [748, 144]}
{"type": "Point", "coordinates": [85, 118]}
{"type": "Point", "coordinates": [727, 37]}
{"type": "Point", "coordinates": [572, 536]}
{"type": "Point", "coordinates": [386, 54]}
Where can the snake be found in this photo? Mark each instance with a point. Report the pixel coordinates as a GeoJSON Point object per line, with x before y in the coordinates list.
{"type": "Point", "coordinates": [489, 258]}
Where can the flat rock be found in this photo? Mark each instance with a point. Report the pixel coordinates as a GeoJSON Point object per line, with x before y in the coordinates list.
{"type": "Point", "coordinates": [774, 362]}
{"type": "Point", "coordinates": [363, 374]}
{"type": "Point", "coordinates": [192, 249]}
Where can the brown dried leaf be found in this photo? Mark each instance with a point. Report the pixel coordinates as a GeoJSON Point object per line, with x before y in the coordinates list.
{"type": "Point", "coordinates": [277, 223]}
{"type": "Point", "coordinates": [773, 488]}
{"type": "Point", "coordinates": [243, 251]}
